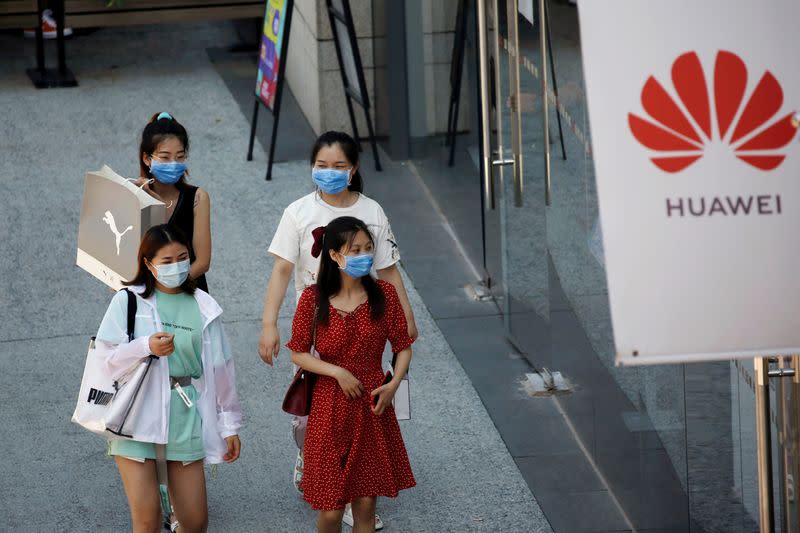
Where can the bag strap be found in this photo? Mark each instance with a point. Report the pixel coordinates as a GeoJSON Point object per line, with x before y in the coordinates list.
{"type": "Point", "coordinates": [131, 313]}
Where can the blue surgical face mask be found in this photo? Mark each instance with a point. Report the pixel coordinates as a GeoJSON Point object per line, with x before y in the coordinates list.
{"type": "Point", "coordinates": [331, 180]}
{"type": "Point", "coordinates": [173, 275]}
{"type": "Point", "coordinates": [357, 266]}
{"type": "Point", "coordinates": [168, 173]}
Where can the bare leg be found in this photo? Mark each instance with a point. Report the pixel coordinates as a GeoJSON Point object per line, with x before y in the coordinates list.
{"type": "Point", "coordinates": [364, 515]}
{"type": "Point", "coordinates": [330, 521]}
{"type": "Point", "coordinates": [187, 492]}
{"type": "Point", "coordinates": [141, 488]}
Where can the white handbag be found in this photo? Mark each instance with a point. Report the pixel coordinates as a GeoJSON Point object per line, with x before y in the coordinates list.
{"type": "Point", "coordinates": [107, 406]}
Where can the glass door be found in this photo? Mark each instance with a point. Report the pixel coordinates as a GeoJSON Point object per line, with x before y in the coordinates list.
{"type": "Point", "coordinates": [514, 207]}
{"type": "Point", "coordinates": [510, 165]}
{"type": "Point", "coordinates": [498, 131]}
{"type": "Point", "coordinates": [674, 443]}
{"type": "Point", "coordinates": [630, 422]}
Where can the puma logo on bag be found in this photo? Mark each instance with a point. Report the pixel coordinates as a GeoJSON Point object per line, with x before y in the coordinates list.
{"type": "Point", "coordinates": [109, 219]}
{"type": "Point", "coordinates": [99, 397]}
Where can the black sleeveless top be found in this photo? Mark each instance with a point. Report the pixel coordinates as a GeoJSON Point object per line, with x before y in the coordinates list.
{"type": "Point", "coordinates": [183, 219]}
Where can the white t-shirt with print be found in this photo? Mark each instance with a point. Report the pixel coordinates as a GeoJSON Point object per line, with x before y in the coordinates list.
{"type": "Point", "coordinates": [293, 239]}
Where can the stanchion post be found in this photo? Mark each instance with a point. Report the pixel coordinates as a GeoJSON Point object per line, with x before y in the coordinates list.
{"type": "Point", "coordinates": [41, 76]}
{"type": "Point", "coordinates": [791, 496]}
{"type": "Point", "coordinates": [62, 54]}
{"type": "Point", "coordinates": [40, 38]}
{"type": "Point", "coordinates": [766, 505]}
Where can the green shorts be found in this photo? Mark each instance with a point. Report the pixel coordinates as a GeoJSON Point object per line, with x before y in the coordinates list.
{"type": "Point", "coordinates": [185, 441]}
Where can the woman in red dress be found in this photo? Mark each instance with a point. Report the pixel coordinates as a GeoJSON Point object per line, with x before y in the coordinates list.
{"type": "Point", "coordinates": [354, 451]}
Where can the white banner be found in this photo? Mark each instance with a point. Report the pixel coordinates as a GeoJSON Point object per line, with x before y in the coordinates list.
{"type": "Point", "coordinates": [693, 109]}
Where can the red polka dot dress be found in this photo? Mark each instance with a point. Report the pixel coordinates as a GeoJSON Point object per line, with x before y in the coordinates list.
{"type": "Point", "coordinates": [349, 451]}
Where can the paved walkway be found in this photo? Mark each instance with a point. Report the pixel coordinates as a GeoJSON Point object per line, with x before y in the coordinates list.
{"type": "Point", "coordinates": [54, 475]}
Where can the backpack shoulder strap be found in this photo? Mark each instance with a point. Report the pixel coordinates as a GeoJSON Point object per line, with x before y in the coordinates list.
{"type": "Point", "coordinates": [131, 313]}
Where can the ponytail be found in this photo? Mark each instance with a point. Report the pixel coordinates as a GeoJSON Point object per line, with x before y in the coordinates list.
{"type": "Point", "coordinates": [340, 233]}
{"type": "Point", "coordinates": [356, 182]}
{"type": "Point", "coordinates": [161, 126]}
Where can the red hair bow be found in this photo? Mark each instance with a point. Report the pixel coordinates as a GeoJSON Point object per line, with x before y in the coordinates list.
{"type": "Point", "coordinates": [318, 234]}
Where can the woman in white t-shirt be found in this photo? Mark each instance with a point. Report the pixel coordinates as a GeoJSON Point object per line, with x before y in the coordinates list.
{"type": "Point", "coordinates": [335, 171]}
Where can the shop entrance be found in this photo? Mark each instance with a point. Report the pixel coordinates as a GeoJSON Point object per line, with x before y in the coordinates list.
{"type": "Point", "coordinates": [675, 444]}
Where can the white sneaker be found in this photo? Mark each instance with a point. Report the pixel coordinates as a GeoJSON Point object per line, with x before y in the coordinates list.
{"type": "Point", "coordinates": [347, 518]}
{"type": "Point", "coordinates": [48, 27]}
{"type": "Point", "coordinates": [297, 475]}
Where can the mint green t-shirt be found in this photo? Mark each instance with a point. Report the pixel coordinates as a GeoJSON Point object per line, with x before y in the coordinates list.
{"type": "Point", "coordinates": [180, 315]}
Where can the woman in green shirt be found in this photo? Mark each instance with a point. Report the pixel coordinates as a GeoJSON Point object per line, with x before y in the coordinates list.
{"type": "Point", "coordinates": [200, 417]}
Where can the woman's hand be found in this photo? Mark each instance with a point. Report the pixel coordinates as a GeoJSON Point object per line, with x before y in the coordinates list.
{"type": "Point", "coordinates": [234, 448]}
{"type": "Point", "coordinates": [383, 396]}
{"type": "Point", "coordinates": [162, 343]}
{"type": "Point", "coordinates": [270, 343]}
{"type": "Point", "coordinates": [351, 387]}
{"type": "Point", "coordinates": [144, 184]}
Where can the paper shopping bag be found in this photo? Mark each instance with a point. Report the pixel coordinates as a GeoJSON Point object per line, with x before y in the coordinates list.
{"type": "Point", "coordinates": [402, 397]}
{"type": "Point", "coordinates": [114, 216]}
{"type": "Point", "coordinates": [402, 401]}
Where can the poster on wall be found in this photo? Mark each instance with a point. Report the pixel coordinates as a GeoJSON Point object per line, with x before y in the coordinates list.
{"type": "Point", "coordinates": [270, 52]}
{"type": "Point", "coordinates": [694, 114]}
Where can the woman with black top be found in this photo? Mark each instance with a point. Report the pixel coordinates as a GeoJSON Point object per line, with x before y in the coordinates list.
{"type": "Point", "coordinates": [162, 161]}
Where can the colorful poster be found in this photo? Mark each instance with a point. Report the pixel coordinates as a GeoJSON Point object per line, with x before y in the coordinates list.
{"type": "Point", "coordinates": [270, 52]}
{"type": "Point", "coordinates": [694, 115]}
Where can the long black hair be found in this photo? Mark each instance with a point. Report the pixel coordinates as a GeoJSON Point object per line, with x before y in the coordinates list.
{"type": "Point", "coordinates": [350, 149]}
{"type": "Point", "coordinates": [156, 131]}
{"type": "Point", "coordinates": [339, 233]}
{"type": "Point", "coordinates": [154, 240]}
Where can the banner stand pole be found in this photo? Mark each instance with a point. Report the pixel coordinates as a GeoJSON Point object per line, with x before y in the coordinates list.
{"type": "Point", "coordinates": [371, 132]}
{"type": "Point", "coordinates": [274, 136]}
{"type": "Point", "coordinates": [766, 506]}
{"type": "Point", "coordinates": [253, 130]}
{"type": "Point", "coordinates": [349, 102]}
{"type": "Point", "coordinates": [281, 82]}
{"type": "Point", "coordinates": [553, 75]}
{"type": "Point", "coordinates": [359, 93]}
{"type": "Point", "coordinates": [456, 71]}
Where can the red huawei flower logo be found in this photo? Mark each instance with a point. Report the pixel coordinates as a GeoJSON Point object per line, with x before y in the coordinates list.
{"type": "Point", "coordinates": [681, 138]}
